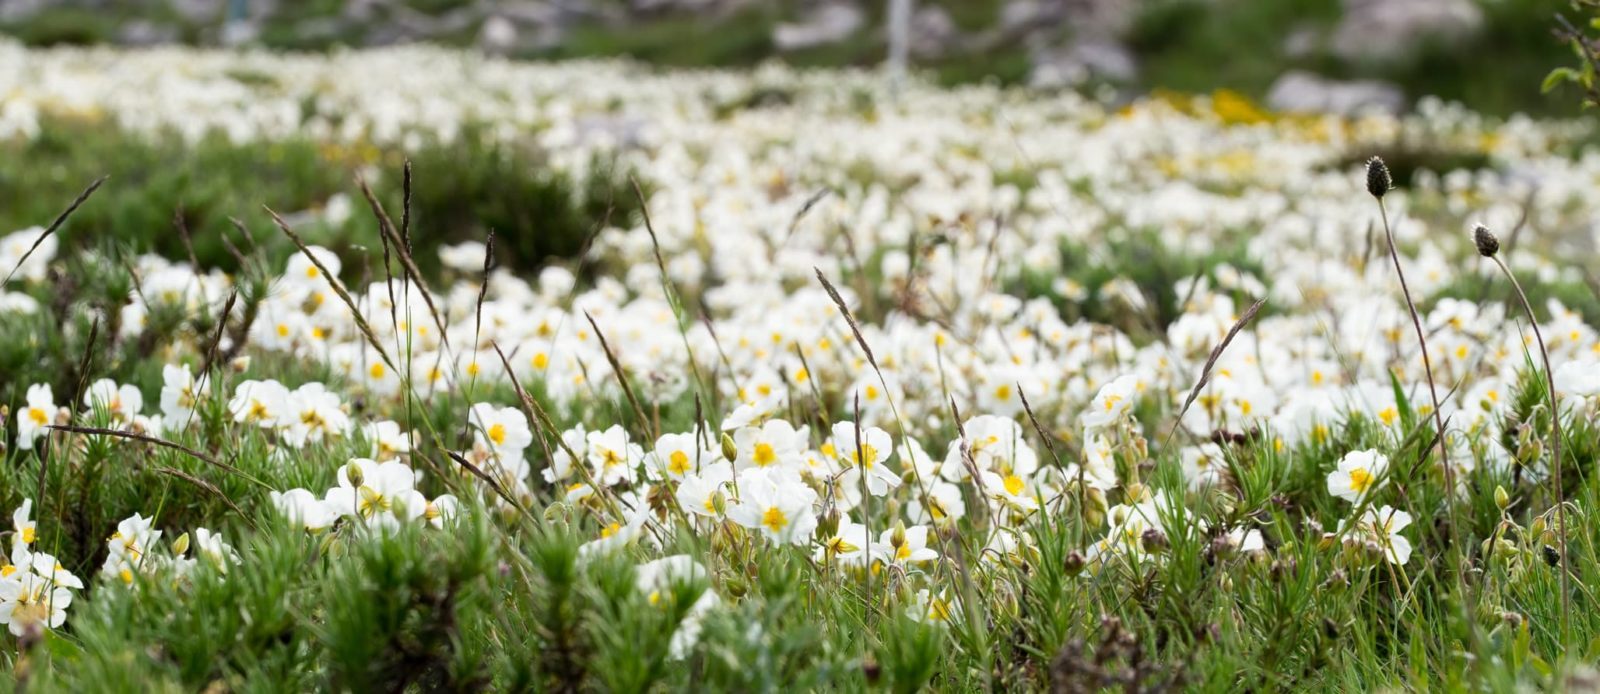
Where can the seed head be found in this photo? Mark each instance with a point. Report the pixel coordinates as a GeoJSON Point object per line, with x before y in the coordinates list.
{"type": "Point", "coordinates": [1074, 563]}
{"type": "Point", "coordinates": [1552, 556]}
{"type": "Point", "coordinates": [1488, 244]}
{"type": "Point", "coordinates": [1378, 179]}
{"type": "Point", "coordinates": [1154, 541]}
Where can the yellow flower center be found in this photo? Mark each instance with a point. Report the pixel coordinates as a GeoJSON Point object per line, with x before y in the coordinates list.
{"type": "Point", "coordinates": [678, 462]}
{"type": "Point", "coordinates": [1360, 480]}
{"type": "Point", "coordinates": [1388, 416]}
{"type": "Point", "coordinates": [774, 519]}
{"type": "Point", "coordinates": [497, 434]}
{"type": "Point", "coordinates": [37, 415]}
{"type": "Point", "coordinates": [867, 456]}
{"type": "Point", "coordinates": [376, 371]}
{"type": "Point", "coordinates": [1013, 485]}
{"type": "Point", "coordinates": [764, 454]}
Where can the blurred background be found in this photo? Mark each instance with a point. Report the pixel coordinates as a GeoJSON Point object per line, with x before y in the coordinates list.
{"type": "Point", "coordinates": [1312, 55]}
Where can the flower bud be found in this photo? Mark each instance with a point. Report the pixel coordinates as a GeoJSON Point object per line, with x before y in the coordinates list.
{"type": "Point", "coordinates": [1154, 541]}
{"type": "Point", "coordinates": [1074, 563]}
{"type": "Point", "coordinates": [1378, 179]}
{"type": "Point", "coordinates": [180, 545]}
{"type": "Point", "coordinates": [730, 451]}
{"type": "Point", "coordinates": [1488, 245]}
{"type": "Point", "coordinates": [1502, 499]}
{"type": "Point", "coordinates": [353, 472]}
{"type": "Point", "coordinates": [871, 670]}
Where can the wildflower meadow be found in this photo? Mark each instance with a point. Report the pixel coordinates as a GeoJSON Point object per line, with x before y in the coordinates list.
{"type": "Point", "coordinates": [414, 369]}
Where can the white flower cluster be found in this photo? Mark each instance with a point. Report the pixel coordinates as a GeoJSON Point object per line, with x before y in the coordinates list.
{"type": "Point", "coordinates": [35, 591]}
{"type": "Point", "coordinates": [954, 226]}
{"type": "Point", "coordinates": [379, 495]}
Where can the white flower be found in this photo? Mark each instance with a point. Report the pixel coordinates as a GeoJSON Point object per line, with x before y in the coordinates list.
{"type": "Point", "coordinates": [932, 608]}
{"type": "Point", "coordinates": [180, 392]}
{"type": "Point", "coordinates": [1112, 403]}
{"type": "Point", "coordinates": [28, 600]}
{"type": "Point", "coordinates": [301, 271]}
{"type": "Point", "coordinates": [775, 442]}
{"type": "Point", "coordinates": [660, 581]}
{"type": "Point", "coordinates": [303, 508]}
{"type": "Point", "coordinates": [503, 430]}
{"type": "Point", "coordinates": [464, 257]}
{"type": "Point", "coordinates": [16, 245]}
{"type": "Point", "coordinates": [385, 496]}
{"type": "Point", "coordinates": [612, 456]}
{"type": "Point", "coordinates": [1203, 465]}
{"type": "Point", "coordinates": [211, 546]}
{"type": "Point", "coordinates": [129, 547]}
{"type": "Point", "coordinates": [122, 403]}
{"type": "Point", "coordinates": [615, 536]}
{"type": "Point", "coordinates": [676, 455]}
{"type": "Point", "coordinates": [441, 510]}
{"type": "Point", "coordinates": [943, 504]}
{"type": "Point", "coordinates": [698, 491]}
{"type": "Point", "coordinates": [263, 403]}
{"type": "Point", "coordinates": [865, 457]}
{"type": "Point", "coordinates": [1382, 527]}
{"type": "Point", "coordinates": [24, 529]}
{"type": "Point", "coordinates": [851, 545]}
{"type": "Point", "coordinates": [1579, 378]}
{"type": "Point", "coordinates": [1011, 490]}
{"type": "Point", "coordinates": [907, 545]}
{"type": "Point", "coordinates": [777, 503]}
{"type": "Point", "coordinates": [315, 413]}
{"type": "Point", "coordinates": [1358, 473]}
{"type": "Point", "coordinates": [386, 440]}
{"type": "Point", "coordinates": [1247, 541]}
{"type": "Point", "coordinates": [39, 413]}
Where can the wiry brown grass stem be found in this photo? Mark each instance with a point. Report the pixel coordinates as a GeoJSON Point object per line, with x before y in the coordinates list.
{"type": "Point", "coordinates": [1555, 452]}
{"type": "Point", "coordinates": [338, 288]}
{"type": "Point", "coordinates": [55, 226]}
{"type": "Point", "coordinates": [402, 249]}
{"type": "Point", "coordinates": [1433, 392]}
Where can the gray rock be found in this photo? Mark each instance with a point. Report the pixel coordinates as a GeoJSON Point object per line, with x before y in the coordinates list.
{"type": "Point", "coordinates": [1383, 30]}
{"type": "Point", "coordinates": [497, 35]}
{"type": "Point", "coordinates": [830, 23]}
{"type": "Point", "coordinates": [146, 33]}
{"type": "Point", "coordinates": [932, 32]}
{"type": "Point", "coordinates": [1078, 62]}
{"type": "Point", "coordinates": [199, 11]}
{"type": "Point", "coordinates": [1302, 92]}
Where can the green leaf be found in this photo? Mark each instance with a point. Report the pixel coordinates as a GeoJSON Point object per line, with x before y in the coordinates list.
{"type": "Point", "coordinates": [1556, 77]}
{"type": "Point", "coordinates": [1401, 402]}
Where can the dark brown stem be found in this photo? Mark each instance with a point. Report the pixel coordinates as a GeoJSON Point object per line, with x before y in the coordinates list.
{"type": "Point", "coordinates": [1433, 392]}
{"type": "Point", "coordinates": [1555, 450]}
